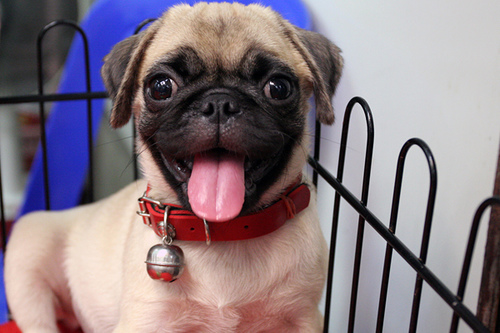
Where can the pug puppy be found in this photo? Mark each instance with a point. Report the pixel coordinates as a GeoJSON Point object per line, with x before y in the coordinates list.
{"type": "Point", "coordinates": [219, 94]}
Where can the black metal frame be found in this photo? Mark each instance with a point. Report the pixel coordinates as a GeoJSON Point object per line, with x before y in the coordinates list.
{"type": "Point", "coordinates": [423, 273]}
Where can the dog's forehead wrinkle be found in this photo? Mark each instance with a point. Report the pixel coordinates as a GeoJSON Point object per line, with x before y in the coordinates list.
{"type": "Point", "coordinates": [233, 20]}
{"type": "Point", "coordinates": [183, 60]}
{"type": "Point", "coordinates": [260, 63]}
{"type": "Point", "coordinates": [230, 29]}
{"type": "Point", "coordinates": [255, 63]}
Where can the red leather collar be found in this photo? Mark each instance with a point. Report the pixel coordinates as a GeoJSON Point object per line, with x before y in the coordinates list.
{"type": "Point", "coordinates": [189, 227]}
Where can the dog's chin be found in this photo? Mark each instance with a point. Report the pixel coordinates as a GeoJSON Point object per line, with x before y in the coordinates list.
{"type": "Point", "coordinates": [180, 169]}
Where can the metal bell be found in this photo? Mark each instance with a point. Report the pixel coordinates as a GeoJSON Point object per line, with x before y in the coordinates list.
{"type": "Point", "coordinates": [165, 262]}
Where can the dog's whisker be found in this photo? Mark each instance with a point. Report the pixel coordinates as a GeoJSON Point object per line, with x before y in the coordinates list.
{"type": "Point", "coordinates": [121, 139]}
{"type": "Point", "coordinates": [323, 138]}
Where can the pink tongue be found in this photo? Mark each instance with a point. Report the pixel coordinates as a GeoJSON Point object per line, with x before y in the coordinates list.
{"type": "Point", "coordinates": [216, 189]}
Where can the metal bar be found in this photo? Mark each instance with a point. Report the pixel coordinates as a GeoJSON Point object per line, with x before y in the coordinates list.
{"type": "Point", "coordinates": [317, 140]}
{"type": "Point", "coordinates": [143, 24]}
{"type": "Point", "coordinates": [134, 152]}
{"type": "Point", "coordinates": [134, 131]}
{"type": "Point", "coordinates": [333, 234]}
{"type": "Point", "coordinates": [340, 174]}
{"type": "Point", "coordinates": [2, 211]}
{"type": "Point", "coordinates": [439, 287]}
{"type": "Point", "coordinates": [431, 200]}
{"type": "Point", "coordinates": [52, 97]}
{"type": "Point", "coordinates": [74, 26]}
{"type": "Point", "coordinates": [392, 227]}
{"type": "Point", "coordinates": [364, 199]}
{"type": "Point", "coordinates": [469, 252]}
{"type": "Point", "coordinates": [388, 251]}
{"type": "Point", "coordinates": [43, 135]}
{"type": "Point", "coordinates": [384, 288]}
{"type": "Point", "coordinates": [77, 28]}
{"type": "Point", "coordinates": [90, 137]}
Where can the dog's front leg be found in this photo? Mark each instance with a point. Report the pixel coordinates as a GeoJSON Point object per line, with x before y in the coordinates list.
{"type": "Point", "coordinates": [34, 274]}
{"type": "Point", "coordinates": [36, 314]}
{"type": "Point", "coordinates": [170, 316]}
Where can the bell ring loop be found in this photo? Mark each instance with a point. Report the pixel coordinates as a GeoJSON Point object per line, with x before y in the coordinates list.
{"type": "Point", "coordinates": [167, 240]}
{"type": "Point", "coordinates": [166, 229]}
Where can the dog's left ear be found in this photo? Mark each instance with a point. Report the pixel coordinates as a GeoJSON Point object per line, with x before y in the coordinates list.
{"type": "Point", "coordinates": [325, 62]}
{"type": "Point", "coordinates": [120, 72]}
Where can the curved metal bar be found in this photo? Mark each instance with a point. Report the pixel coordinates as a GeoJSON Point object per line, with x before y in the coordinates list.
{"type": "Point", "coordinates": [424, 246]}
{"type": "Point", "coordinates": [495, 200]}
{"type": "Point", "coordinates": [40, 38]}
{"type": "Point", "coordinates": [134, 130]}
{"type": "Point", "coordinates": [59, 97]}
{"type": "Point", "coordinates": [364, 199]}
{"type": "Point", "coordinates": [143, 24]}
{"type": "Point", "coordinates": [392, 227]}
{"type": "Point", "coordinates": [317, 140]}
{"type": "Point", "coordinates": [335, 220]}
{"type": "Point", "coordinates": [2, 213]}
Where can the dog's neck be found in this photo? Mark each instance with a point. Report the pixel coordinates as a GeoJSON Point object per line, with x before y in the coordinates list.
{"type": "Point", "coordinates": [181, 224]}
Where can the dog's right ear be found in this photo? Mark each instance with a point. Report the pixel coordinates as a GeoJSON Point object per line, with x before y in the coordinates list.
{"type": "Point", "coordinates": [120, 73]}
{"type": "Point", "coordinates": [326, 63]}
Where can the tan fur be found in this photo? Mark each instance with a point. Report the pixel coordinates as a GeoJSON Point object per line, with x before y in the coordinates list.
{"type": "Point", "coordinates": [85, 266]}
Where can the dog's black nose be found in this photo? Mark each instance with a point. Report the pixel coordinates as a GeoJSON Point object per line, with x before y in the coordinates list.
{"type": "Point", "coordinates": [220, 107]}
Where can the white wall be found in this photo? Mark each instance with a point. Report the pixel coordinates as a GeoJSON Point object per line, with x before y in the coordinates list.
{"type": "Point", "coordinates": [428, 69]}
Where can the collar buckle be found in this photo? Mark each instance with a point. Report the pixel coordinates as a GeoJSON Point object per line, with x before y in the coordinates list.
{"type": "Point", "coordinates": [144, 212]}
{"type": "Point", "coordinates": [163, 229]}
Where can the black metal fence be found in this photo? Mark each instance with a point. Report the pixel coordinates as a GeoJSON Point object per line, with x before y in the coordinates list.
{"type": "Point", "coordinates": [387, 231]}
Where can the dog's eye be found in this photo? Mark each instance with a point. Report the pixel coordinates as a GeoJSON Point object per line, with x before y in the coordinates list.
{"type": "Point", "coordinates": [278, 88]}
{"type": "Point", "coordinates": [161, 88]}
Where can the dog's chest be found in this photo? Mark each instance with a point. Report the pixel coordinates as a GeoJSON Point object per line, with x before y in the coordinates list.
{"type": "Point", "coordinates": [236, 273]}
{"type": "Point", "coordinates": [230, 311]}
{"type": "Point", "coordinates": [189, 316]}
{"type": "Point", "coordinates": [239, 289]}
{"type": "Point", "coordinates": [254, 317]}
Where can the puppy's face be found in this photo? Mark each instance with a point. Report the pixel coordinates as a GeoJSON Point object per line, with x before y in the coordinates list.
{"type": "Point", "coordinates": [219, 93]}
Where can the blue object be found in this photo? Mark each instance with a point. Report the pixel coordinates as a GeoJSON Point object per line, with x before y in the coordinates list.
{"type": "Point", "coordinates": [3, 303]}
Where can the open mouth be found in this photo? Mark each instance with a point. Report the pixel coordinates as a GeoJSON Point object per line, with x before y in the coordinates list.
{"type": "Point", "coordinates": [218, 180]}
